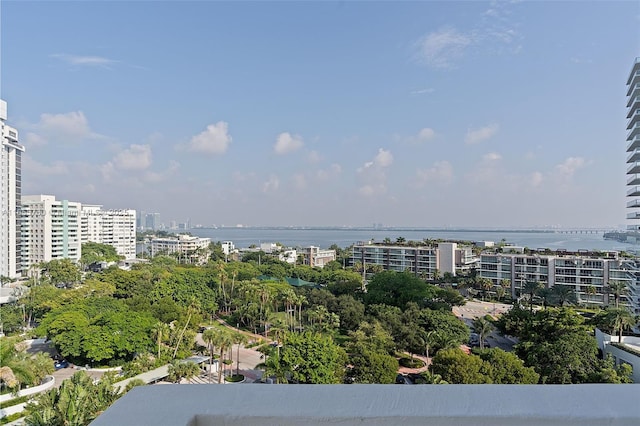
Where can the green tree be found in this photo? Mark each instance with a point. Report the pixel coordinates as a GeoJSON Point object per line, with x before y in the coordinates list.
{"type": "Point", "coordinates": [62, 272]}
{"type": "Point", "coordinates": [454, 366]}
{"type": "Point", "coordinates": [483, 327]}
{"type": "Point", "coordinates": [179, 370]}
{"type": "Point", "coordinates": [531, 288]}
{"type": "Point", "coordinates": [507, 368]}
{"type": "Point", "coordinates": [398, 288]}
{"type": "Point", "coordinates": [564, 294]}
{"type": "Point", "coordinates": [308, 358]}
{"type": "Point", "coordinates": [95, 252]}
{"type": "Point", "coordinates": [618, 289]}
{"type": "Point", "coordinates": [77, 402]}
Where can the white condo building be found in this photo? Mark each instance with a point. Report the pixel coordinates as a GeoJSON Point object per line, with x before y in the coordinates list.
{"type": "Point", "coordinates": [633, 148]}
{"type": "Point", "coordinates": [50, 229]}
{"type": "Point", "coordinates": [116, 228]}
{"type": "Point", "coordinates": [186, 248]}
{"type": "Point", "coordinates": [10, 194]}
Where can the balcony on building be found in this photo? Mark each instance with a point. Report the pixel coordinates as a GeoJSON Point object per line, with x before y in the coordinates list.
{"type": "Point", "coordinates": [634, 168]}
{"type": "Point", "coordinates": [381, 405]}
{"type": "Point", "coordinates": [635, 118]}
{"type": "Point", "coordinates": [634, 144]}
{"type": "Point", "coordinates": [635, 131]}
{"type": "Point", "coordinates": [633, 191]}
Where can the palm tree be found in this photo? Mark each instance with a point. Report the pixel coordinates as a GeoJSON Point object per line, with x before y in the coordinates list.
{"type": "Point", "coordinates": [591, 291]}
{"type": "Point", "coordinates": [179, 370]}
{"type": "Point", "coordinates": [210, 337]}
{"type": "Point", "coordinates": [484, 328]}
{"type": "Point", "coordinates": [239, 339]}
{"type": "Point", "coordinates": [225, 340]}
{"type": "Point", "coordinates": [620, 319]}
{"type": "Point", "coordinates": [160, 332]}
{"type": "Point", "coordinates": [564, 294]}
{"type": "Point", "coordinates": [433, 378]}
{"type": "Point", "coordinates": [191, 310]}
{"type": "Point", "coordinates": [15, 366]}
{"type": "Point", "coordinates": [618, 289]}
{"type": "Point", "coordinates": [546, 294]}
{"type": "Point", "coordinates": [531, 288]}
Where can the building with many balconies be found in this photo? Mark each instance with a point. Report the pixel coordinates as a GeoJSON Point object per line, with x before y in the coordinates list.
{"type": "Point", "coordinates": [116, 228]}
{"type": "Point", "coordinates": [10, 195]}
{"type": "Point", "coordinates": [186, 248]}
{"type": "Point", "coordinates": [633, 149]}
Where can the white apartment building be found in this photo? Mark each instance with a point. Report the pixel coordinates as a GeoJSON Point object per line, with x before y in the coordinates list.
{"type": "Point", "coordinates": [425, 261]}
{"type": "Point", "coordinates": [315, 256]}
{"type": "Point", "coordinates": [116, 228]}
{"type": "Point", "coordinates": [50, 229]}
{"type": "Point", "coordinates": [633, 148]}
{"type": "Point", "coordinates": [189, 249]}
{"type": "Point", "coordinates": [581, 270]}
{"type": "Point", "coordinates": [10, 194]}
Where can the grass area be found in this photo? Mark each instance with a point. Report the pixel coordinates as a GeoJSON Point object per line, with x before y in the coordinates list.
{"type": "Point", "coordinates": [11, 418]}
{"type": "Point", "coordinates": [411, 363]}
{"type": "Point", "coordinates": [16, 401]}
{"type": "Point", "coordinates": [235, 378]}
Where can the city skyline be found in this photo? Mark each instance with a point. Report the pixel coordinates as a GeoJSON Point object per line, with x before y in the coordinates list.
{"type": "Point", "coordinates": [480, 114]}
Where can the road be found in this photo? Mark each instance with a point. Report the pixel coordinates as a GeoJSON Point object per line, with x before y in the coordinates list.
{"type": "Point", "coordinates": [476, 309]}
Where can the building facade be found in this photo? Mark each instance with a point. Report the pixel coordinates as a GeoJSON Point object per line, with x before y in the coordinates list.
{"type": "Point", "coordinates": [10, 195]}
{"type": "Point", "coordinates": [50, 229]}
{"type": "Point", "coordinates": [186, 248]}
{"type": "Point", "coordinates": [588, 273]}
{"type": "Point", "coordinates": [116, 228]}
{"type": "Point", "coordinates": [423, 261]}
{"type": "Point", "coordinates": [315, 256]}
{"type": "Point", "coordinates": [633, 150]}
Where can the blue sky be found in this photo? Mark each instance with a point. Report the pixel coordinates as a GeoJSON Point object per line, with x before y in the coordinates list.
{"type": "Point", "coordinates": [487, 114]}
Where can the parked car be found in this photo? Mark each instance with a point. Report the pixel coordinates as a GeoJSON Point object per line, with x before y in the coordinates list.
{"type": "Point", "coordinates": [63, 363]}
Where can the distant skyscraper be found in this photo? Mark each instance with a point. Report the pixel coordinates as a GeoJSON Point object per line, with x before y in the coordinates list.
{"type": "Point", "coordinates": [152, 221]}
{"type": "Point", "coordinates": [633, 148]}
{"type": "Point", "coordinates": [10, 194]}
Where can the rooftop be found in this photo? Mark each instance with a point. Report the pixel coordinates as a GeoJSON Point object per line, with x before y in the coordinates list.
{"type": "Point", "coordinates": [435, 405]}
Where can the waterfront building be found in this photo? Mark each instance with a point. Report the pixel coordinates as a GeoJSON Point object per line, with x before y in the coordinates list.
{"type": "Point", "coordinates": [50, 229]}
{"type": "Point", "coordinates": [633, 150]}
{"type": "Point", "coordinates": [315, 256]}
{"type": "Point", "coordinates": [10, 195]}
{"type": "Point", "coordinates": [116, 228]}
{"type": "Point", "coordinates": [186, 248]}
{"type": "Point", "coordinates": [422, 260]}
{"type": "Point", "coordinates": [588, 273]}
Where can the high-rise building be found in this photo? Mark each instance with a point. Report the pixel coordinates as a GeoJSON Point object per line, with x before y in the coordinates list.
{"type": "Point", "coordinates": [633, 148]}
{"type": "Point", "coordinates": [10, 194]}
{"type": "Point", "coordinates": [116, 228]}
{"type": "Point", "coordinates": [51, 229]}
{"type": "Point", "coordinates": [152, 221]}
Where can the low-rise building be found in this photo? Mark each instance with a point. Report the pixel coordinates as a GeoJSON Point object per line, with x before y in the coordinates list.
{"type": "Point", "coordinates": [186, 248]}
{"type": "Point", "coordinates": [315, 256]}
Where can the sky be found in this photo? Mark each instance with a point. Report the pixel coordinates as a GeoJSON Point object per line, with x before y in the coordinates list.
{"type": "Point", "coordinates": [425, 113]}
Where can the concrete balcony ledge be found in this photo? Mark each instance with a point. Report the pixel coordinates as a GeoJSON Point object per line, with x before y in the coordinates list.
{"type": "Point", "coordinates": [434, 405]}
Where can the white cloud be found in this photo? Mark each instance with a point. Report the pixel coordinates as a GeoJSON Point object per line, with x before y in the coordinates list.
{"type": "Point", "coordinates": [157, 177]}
{"type": "Point", "coordinates": [136, 157]}
{"type": "Point", "coordinates": [424, 135]}
{"type": "Point", "coordinates": [299, 181]}
{"type": "Point", "coordinates": [86, 60]}
{"type": "Point", "coordinates": [35, 168]}
{"type": "Point", "coordinates": [536, 179]}
{"type": "Point", "coordinates": [422, 91]}
{"type": "Point", "coordinates": [215, 139]}
{"type": "Point", "coordinates": [481, 134]}
{"type": "Point", "coordinates": [326, 174]}
{"type": "Point", "coordinates": [271, 185]}
{"type": "Point", "coordinates": [314, 157]}
{"type": "Point", "coordinates": [33, 140]}
{"type": "Point", "coordinates": [373, 174]}
{"type": "Point", "coordinates": [286, 143]}
{"type": "Point", "coordinates": [70, 127]}
{"type": "Point", "coordinates": [492, 156]}
{"type": "Point", "coordinates": [569, 166]}
{"type": "Point", "coordinates": [441, 172]}
{"type": "Point", "coordinates": [439, 49]}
